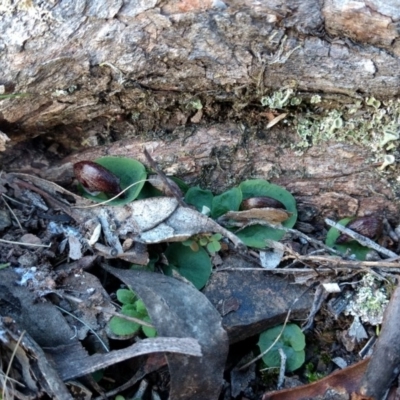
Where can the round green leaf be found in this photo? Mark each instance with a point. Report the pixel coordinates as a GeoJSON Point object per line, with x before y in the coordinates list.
{"type": "Point", "coordinates": [227, 201]}
{"type": "Point", "coordinates": [256, 235]}
{"type": "Point", "coordinates": [126, 296]}
{"type": "Point", "coordinates": [213, 247]}
{"type": "Point", "coordinates": [203, 241]}
{"type": "Point", "coordinates": [294, 359]}
{"type": "Point", "coordinates": [128, 171]}
{"type": "Point", "coordinates": [292, 341]}
{"type": "Point", "coordinates": [199, 197]}
{"type": "Point", "coordinates": [122, 327]}
{"type": "Point", "coordinates": [141, 308]}
{"type": "Point", "coordinates": [149, 332]}
{"type": "Point", "coordinates": [195, 266]}
{"type": "Point", "coordinates": [216, 236]}
{"type": "Point", "coordinates": [352, 247]}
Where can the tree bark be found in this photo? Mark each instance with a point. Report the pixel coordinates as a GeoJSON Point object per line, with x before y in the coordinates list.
{"type": "Point", "coordinates": [79, 61]}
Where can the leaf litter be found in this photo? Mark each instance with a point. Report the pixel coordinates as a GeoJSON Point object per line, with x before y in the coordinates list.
{"type": "Point", "coordinates": [194, 336]}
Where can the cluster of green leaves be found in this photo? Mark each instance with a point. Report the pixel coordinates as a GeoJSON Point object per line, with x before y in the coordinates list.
{"type": "Point", "coordinates": [254, 235]}
{"type": "Point", "coordinates": [352, 247]}
{"type": "Point", "coordinates": [191, 259]}
{"type": "Point", "coordinates": [311, 374]}
{"type": "Point", "coordinates": [209, 241]}
{"type": "Point", "coordinates": [132, 306]}
{"type": "Point", "coordinates": [291, 341]}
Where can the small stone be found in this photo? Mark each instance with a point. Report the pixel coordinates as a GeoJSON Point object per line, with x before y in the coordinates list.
{"type": "Point", "coordinates": [28, 260]}
{"type": "Point", "coordinates": [29, 238]}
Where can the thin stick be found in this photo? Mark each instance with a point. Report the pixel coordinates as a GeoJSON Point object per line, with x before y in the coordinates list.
{"type": "Point", "coordinates": [273, 343]}
{"type": "Point", "coordinates": [11, 199]}
{"type": "Point", "coordinates": [84, 323]}
{"type": "Point", "coordinates": [112, 198]}
{"type": "Point", "coordinates": [364, 241]}
{"type": "Point", "coordinates": [10, 363]}
{"type": "Point", "coordinates": [350, 263]}
{"type": "Point", "coordinates": [12, 212]}
{"type": "Point", "coordinates": [24, 244]}
{"type": "Point", "coordinates": [163, 177]}
{"type": "Point", "coordinates": [282, 369]}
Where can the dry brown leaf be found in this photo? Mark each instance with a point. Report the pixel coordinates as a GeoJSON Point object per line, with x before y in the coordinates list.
{"type": "Point", "coordinates": [343, 383]}
{"type": "Point", "coordinates": [270, 215]}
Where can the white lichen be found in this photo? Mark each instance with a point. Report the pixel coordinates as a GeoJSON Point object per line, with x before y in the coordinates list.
{"type": "Point", "coordinates": [369, 301]}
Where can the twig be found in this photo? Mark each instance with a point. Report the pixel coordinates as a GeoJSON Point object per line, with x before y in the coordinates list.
{"type": "Point", "coordinates": [84, 323]}
{"type": "Point", "coordinates": [163, 178]}
{"type": "Point", "coordinates": [3, 392]}
{"type": "Point", "coordinates": [24, 244]}
{"type": "Point", "coordinates": [364, 241]}
{"type": "Point", "coordinates": [13, 200]}
{"type": "Point", "coordinates": [282, 369]}
{"type": "Point", "coordinates": [12, 212]}
{"type": "Point", "coordinates": [112, 198]}
{"type": "Point", "coordinates": [350, 263]}
{"type": "Point", "coordinates": [273, 343]}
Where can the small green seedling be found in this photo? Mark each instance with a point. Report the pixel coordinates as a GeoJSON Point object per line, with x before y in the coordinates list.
{"type": "Point", "coordinates": [291, 341]}
{"type": "Point", "coordinates": [311, 374]}
{"type": "Point", "coordinates": [210, 242]}
{"type": "Point", "coordinates": [132, 306]}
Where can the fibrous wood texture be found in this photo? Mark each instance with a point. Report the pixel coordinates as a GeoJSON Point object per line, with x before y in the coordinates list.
{"type": "Point", "coordinates": [80, 60]}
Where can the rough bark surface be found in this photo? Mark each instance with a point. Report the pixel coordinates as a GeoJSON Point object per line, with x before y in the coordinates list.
{"type": "Point", "coordinates": [331, 180]}
{"type": "Point", "coordinates": [80, 60]}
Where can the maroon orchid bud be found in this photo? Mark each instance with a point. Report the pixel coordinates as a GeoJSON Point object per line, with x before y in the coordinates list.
{"type": "Point", "coordinates": [95, 178]}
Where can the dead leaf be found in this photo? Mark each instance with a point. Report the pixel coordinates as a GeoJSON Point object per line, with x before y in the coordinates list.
{"type": "Point", "coordinates": [29, 238]}
{"type": "Point", "coordinates": [197, 117]}
{"type": "Point", "coordinates": [75, 252]}
{"type": "Point", "coordinates": [179, 310]}
{"type": "Point", "coordinates": [276, 120]}
{"type": "Point", "coordinates": [153, 220]}
{"type": "Point", "coordinates": [256, 312]}
{"type": "Point", "coordinates": [73, 361]}
{"type": "Point", "coordinates": [270, 215]}
{"type": "Point", "coordinates": [34, 364]}
{"type": "Point", "coordinates": [342, 383]}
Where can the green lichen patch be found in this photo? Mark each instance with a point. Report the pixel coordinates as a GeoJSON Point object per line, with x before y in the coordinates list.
{"type": "Point", "coordinates": [367, 122]}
